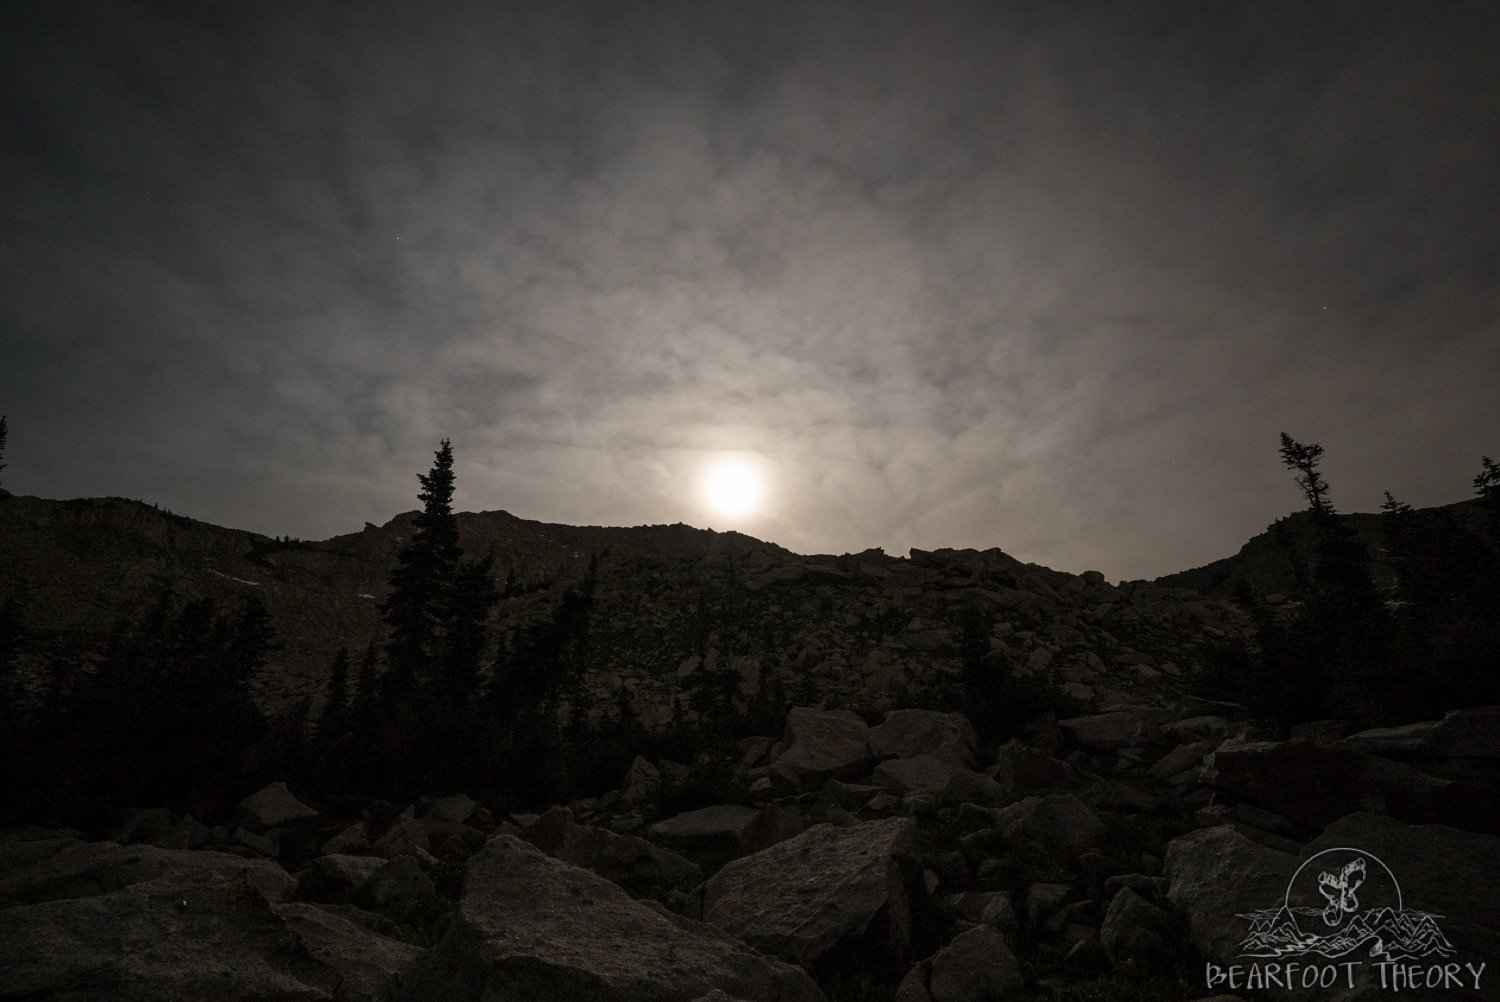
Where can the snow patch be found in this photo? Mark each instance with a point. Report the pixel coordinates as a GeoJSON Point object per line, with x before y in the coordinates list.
{"type": "Point", "coordinates": [226, 577]}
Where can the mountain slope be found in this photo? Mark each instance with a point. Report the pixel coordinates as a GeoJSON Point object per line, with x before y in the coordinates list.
{"type": "Point", "coordinates": [859, 629]}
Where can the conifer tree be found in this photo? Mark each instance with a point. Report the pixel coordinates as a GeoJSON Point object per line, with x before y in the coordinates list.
{"type": "Point", "coordinates": [364, 705]}
{"type": "Point", "coordinates": [424, 572]}
{"type": "Point", "coordinates": [336, 701]}
{"type": "Point", "coordinates": [3, 430]}
{"type": "Point", "coordinates": [1304, 460]}
{"type": "Point", "coordinates": [1486, 483]}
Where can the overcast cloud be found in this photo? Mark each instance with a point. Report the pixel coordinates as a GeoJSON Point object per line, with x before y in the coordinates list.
{"type": "Point", "coordinates": [1045, 277]}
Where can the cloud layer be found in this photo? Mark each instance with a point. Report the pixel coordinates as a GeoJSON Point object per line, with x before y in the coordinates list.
{"type": "Point", "coordinates": [1049, 278]}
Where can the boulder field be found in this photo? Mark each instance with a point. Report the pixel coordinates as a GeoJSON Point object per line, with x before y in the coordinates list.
{"type": "Point", "coordinates": [1145, 847]}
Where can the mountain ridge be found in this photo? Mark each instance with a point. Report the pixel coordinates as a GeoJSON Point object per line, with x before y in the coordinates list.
{"type": "Point", "coordinates": [866, 625]}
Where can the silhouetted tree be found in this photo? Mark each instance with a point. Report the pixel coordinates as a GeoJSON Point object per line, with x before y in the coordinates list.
{"type": "Point", "coordinates": [466, 607]}
{"type": "Point", "coordinates": [336, 698]}
{"type": "Point", "coordinates": [424, 571]}
{"type": "Point", "coordinates": [3, 431]}
{"type": "Point", "coordinates": [1304, 460]}
{"type": "Point", "coordinates": [1486, 483]}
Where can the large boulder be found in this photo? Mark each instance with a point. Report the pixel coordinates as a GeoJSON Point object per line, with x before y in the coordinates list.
{"type": "Point", "coordinates": [369, 966]}
{"type": "Point", "coordinates": [948, 737]}
{"type": "Point", "coordinates": [641, 781]}
{"type": "Point", "coordinates": [909, 775]}
{"type": "Point", "coordinates": [95, 868]}
{"type": "Point", "coordinates": [454, 808]}
{"type": "Point", "coordinates": [271, 806]}
{"type": "Point", "coordinates": [1107, 731]}
{"type": "Point", "coordinates": [1471, 733]}
{"type": "Point", "coordinates": [1214, 875]}
{"type": "Point", "coordinates": [719, 823]}
{"type": "Point", "coordinates": [1445, 871]}
{"type": "Point", "coordinates": [22, 847]}
{"type": "Point", "coordinates": [828, 887]}
{"type": "Point", "coordinates": [623, 859]}
{"type": "Point", "coordinates": [1134, 928]}
{"type": "Point", "coordinates": [938, 779]}
{"type": "Point", "coordinates": [186, 935]}
{"type": "Point", "coordinates": [405, 837]}
{"type": "Point", "coordinates": [1022, 769]}
{"type": "Point", "coordinates": [1061, 824]}
{"type": "Point", "coordinates": [400, 882]}
{"type": "Point", "coordinates": [532, 927]}
{"type": "Point", "coordinates": [1318, 784]}
{"type": "Point", "coordinates": [775, 822]}
{"type": "Point", "coordinates": [976, 965]}
{"type": "Point", "coordinates": [335, 876]}
{"type": "Point", "coordinates": [822, 745]}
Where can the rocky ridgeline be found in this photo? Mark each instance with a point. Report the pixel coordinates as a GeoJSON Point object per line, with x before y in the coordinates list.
{"type": "Point", "coordinates": [898, 861]}
{"type": "Point", "coordinates": [866, 631]}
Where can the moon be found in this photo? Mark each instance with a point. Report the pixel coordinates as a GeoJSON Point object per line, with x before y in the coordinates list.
{"type": "Point", "coordinates": [733, 487]}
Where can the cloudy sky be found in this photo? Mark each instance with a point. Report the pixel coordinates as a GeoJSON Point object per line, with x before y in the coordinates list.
{"type": "Point", "coordinates": [1050, 277]}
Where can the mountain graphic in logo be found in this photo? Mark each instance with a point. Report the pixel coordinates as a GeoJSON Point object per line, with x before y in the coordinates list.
{"type": "Point", "coordinates": [1354, 906]}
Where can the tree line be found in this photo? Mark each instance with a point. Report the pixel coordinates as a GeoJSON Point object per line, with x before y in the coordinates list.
{"type": "Point", "coordinates": [163, 711]}
{"type": "Point", "coordinates": [1344, 647]}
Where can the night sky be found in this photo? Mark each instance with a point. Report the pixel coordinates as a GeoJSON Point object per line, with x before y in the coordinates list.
{"type": "Point", "coordinates": [1046, 277]}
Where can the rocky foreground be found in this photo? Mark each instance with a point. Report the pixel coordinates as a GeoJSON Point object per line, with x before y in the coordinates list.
{"type": "Point", "coordinates": [1117, 852]}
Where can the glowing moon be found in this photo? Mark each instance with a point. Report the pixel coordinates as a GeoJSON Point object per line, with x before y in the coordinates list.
{"type": "Point", "coordinates": [733, 488]}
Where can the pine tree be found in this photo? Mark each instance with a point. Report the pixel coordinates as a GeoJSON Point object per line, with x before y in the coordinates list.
{"type": "Point", "coordinates": [470, 599]}
{"type": "Point", "coordinates": [1486, 482]}
{"type": "Point", "coordinates": [3, 431]}
{"type": "Point", "coordinates": [336, 701]}
{"type": "Point", "coordinates": [1304, 460]}
{"type": "Point", "coordinates": [424, 572]}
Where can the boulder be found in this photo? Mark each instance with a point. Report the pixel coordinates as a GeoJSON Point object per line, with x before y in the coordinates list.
{"type": "Point", "coordinates": [623, 859]}
{"type": "Point", "coordinates": [922, 772]}
{"type": "Point", "coordinates": [829, 887]}
{"type": "Point", "coordinates": [641, 781]}
{"type": "Point", "coordinates": [1445, 871]}
{"type": "Point", "coordinates": [1214, 875]}
{"type": "Point", "coordinates": [1134, 928]}
{"type": "Point", "coordinates": [261, 844]}
{"type": "Point", "coordinates": [186, 934]}
{"type": "Point", "coordinates": [1204, 728]}
{"type": "Point", "coordinates": [405, 837]}
{"type": "Point", "coordinates": [719, 823]}
{"type": "Point", "coordinates": [369, 966]}
{"type": "Point", "coordinates": [22, 847]}
{"type": "Point", "coordinates": [351, 841]}
{"type": "Point", "coordinates": [1107, 731]}
{"type": "Point", "coordinates": [774, 823]}
{"type": "Point", "coordinates": [1471, 733]}
{"type": "Point", "coordinates": [977, 964]}
{"type": "Point", "coordinates": [95, 868]}
{"type": "Point", "coordinates": [401, 881]}
{"type": "Point", "coordinates": [1061, 824]}
{"type": "Point", "coordinates": [948, 737]}
{"type": "Point", "coordinates": [271, 806]}
{"type": "Point", "coordinates": [532, 927]}
{"type": "Point", "coordinates": [1021, 769]}
{"type": "Point", "coordinates": [1182, 758]}
{"type": "Point", "coordinates": [1318, 784]}
{"type": "Point", "coordinates": [189, 833]}
{"type": "Point", "coordinates": [455, 808]}
{"type": "Point", "coordinates": [966, 786]}
{"type": "Point", "coordinates": [336, 876]}
{"type": "Point", "coordinates": [821, 745]}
